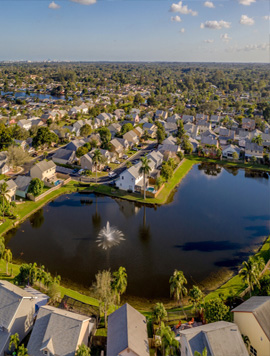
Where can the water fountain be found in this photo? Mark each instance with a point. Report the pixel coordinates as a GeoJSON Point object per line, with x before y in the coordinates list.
{"type": "Point", "coordinates": [109, 236]}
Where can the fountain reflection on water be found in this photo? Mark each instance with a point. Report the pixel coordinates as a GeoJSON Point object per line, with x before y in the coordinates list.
{"type": "Point", "coordinates": [109, 236]}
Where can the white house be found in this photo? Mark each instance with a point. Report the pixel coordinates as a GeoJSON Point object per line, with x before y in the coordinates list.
{"type": "Point", "coordinates": [131, 179]}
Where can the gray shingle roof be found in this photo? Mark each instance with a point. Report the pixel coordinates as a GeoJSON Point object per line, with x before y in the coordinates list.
{"type": "Point", "coordinates": [57, 330]}
{"type": "Point", "coordinates": [220, 339]}
{"type": "Point", "coordinates": [127, 329]}
{"type": "Point", "coordinates": [260, 308]}
{"type": "Point", "coordinates": [23, 182]}
{"type": "Point", "coordinates": [45, 165]}
{"type": "Point", "coordinates": [10, 299]}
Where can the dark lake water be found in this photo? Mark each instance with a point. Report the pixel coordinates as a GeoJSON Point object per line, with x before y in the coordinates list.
{"type": "Point", "coordinates": [23, 95]}
{"type": "Point", "coordinates": [215, 220]}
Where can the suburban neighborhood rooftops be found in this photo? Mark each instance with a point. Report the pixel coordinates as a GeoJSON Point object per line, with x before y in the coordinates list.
{"type": "Point", "coordinates": [45, 165]}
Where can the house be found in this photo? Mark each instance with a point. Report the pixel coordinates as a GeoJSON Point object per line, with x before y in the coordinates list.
{"type": "Point", "coordinates": [22, 184]}
{"type": "Point", "coordinates": [209, 141]}
{"type": "Point", "coordinates": [253, 149]}
{"type": "Point", "coordinates": [138, 131]}
{"type": "Point", "coordinates": [253, 320]}
{"type": "Point", "coordinates": [119, 113]}
{"type": "Point", "coordinates": [215, 119]}
{"type": "Point", "coordinates": [58, 332]}
{"type": "Point", "coordinates": [131, 179]}
{"type": "Point", "coordinates": [25, 124]}
{"type": "Point", "coordinates": [74, 145]}
{"type": "Point", "coordinates": [17, 308]}
{"type": "Point", "coordinates": [156, 157]}
{"type": "Point", "coordinates": [114, 128]}
{"type": "Point", "coordinates": [201, 117]}
{"type": "Point", "coordinates": [11, 189]}
{"type": "Point", "coordinates": [149, 127]}
{"type": "Point", "coordinates": [44, 170]}
{"type": "Point", "coordinates": [228, 151]}
{"type": "Point", "coordinates": [160, 114]}
{"type": "Point", "coordinates": [4, 166]}
{"type": "Point", "coordinates": [170, 149]}
{"type": "Point", "coordinates": [87, 162]}
{"type": "Point", "coordinates": [117, 147]}
{"type": "Point", "coordinates": [64, 156]}
{"type": "Point", "coordinates": [188, 119]}
{"type": "Point", "coordinates": [220, 339]}
{"type": "Point", "coordinates": [248, 124]}
{"type": "Point", "coordinates": [174, 119]}
{"type": "Point", "coordinates": [170, 128]}
{"type": "Point", "coordinates": [194, 143]}
{"type": "Point", "coordinates": [131, 138]}
{"type": "Point", "coordinates": [127, 333]}
{"type": "Point", "coordinates": [170, 141]}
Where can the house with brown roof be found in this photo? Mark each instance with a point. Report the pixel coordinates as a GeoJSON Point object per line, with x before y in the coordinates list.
{"type": "Point", "coordinates": [253, 320]}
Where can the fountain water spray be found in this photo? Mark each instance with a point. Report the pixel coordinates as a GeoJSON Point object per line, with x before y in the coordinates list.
{"type": "Point", "coordinates": [109, 236]}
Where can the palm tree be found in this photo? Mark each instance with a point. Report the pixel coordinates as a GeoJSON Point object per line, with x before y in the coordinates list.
{"type": "Point", "coordinates": [14, 341]}
{"type": "Point", "coordinates": [119, 283]}
{"type": "Point", "coordinates": [250, 272]}
{"type": "Point", "coordinates": [41, 274]}
{"type": "Point", "coordinates": [177, 288]}
{"type": "Point", "coordinates": [3, 192]}
{"type": "Point", "coordinates": [168, 342]}
{"type": "Point", "coordinates": [83, 350]}
{"type": "Point", "coordinates": [7, 257]}
{"type": "Point", "coordinates": [159, 313]}
{"type": "Point", "coordinates": [97, 158]}
{"type": "Point", "coordinates": [2, 247]}
{"type": "Point", "coordinates": [22, 351]}
{"type": "Point", "coordinates": [258, 139]}
{"type": "Point", "coordinates": [204, 353]}
{"type": "Point", "coordinates": [145, 169]}
{"type": "Point", "coordinates": [195, 297]}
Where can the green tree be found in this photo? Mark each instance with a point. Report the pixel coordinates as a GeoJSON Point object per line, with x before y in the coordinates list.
{"type": "Point", "coordinates": [258, 139]}
{"type": "Point", "coordinates": [204, 353]}
{"type": "Point", "coordinates": [5, 137]}
{"type": "Point", "coordinates": [177, 286]}
{"type": "Point", "coordinates": [119, 283]}
{"type": "Point", "coordinates": [168, 342]}
{"type": "Point", "coordinates": [196, 297]}
{"type": "Point", "coordinates": [2, 247]}
{"type": "Point", "coordinates": [126, 128]}
{"type": "Point", "coordinates": [145, 170]}
{"type": "Point", "coordinates": [159, 313]}
{"type": "Point", "coordinates": [83, 350]}
{"type": "Point", "coordinates": [16, 156]}
{"type": "Point", "coordinates": [216, 310]}
{"type": "Point", "coordinates": [166, 171]}
{"type": "Point", "coordinates": [7, 256]}
{"type": "Point", "coordinates": [14, 342]}
{"type": "Point", "coordinates": [250, 272]}
{"type": "Point", "coordinates": [161, 134]}
{"type": "Point", "coordinates": [3, 193]}
{"type": "Point", "coordinates": [104, 292]}
{"type": "Point", "coordinates": [97, 159]}
{"type": "Point", "coordinates": [85, 130]}
{"type": "Point", "coordinates": [35, 187]}
{"type": "Point", "coordinates": [44, 137]}
{"type": "Point", "coordinates": [180, 131]}
{"type": "Point", "coordinates": [235, 156]}
{"type": "Point", "coordinates": [22, 351]}
{"type": "Point", "coordinates": [81, 151]}
{"type": "Point", "coordinates": [105, 135]}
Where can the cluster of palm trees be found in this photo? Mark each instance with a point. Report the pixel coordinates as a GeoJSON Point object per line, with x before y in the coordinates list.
{"type": "Point", "coordinates": [5, 253]}
{"type": "Point", "coordinates": [251, 272]}
{"type": "Point", "coordinates": [14, 342]}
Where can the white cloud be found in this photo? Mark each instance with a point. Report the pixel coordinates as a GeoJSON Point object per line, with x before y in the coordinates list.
{"type": "Point", "coordinates": [54, 6]}
{"type": "Point", "coordinates": [85, 2]}
{"type": "Point", "coordinates": [208, 41]}
{"type": "Point", "coordinates": [246, 2]}
{"type": "Point", "coordinates": [267, 17]}
{"type": "Point", "coordinates": [209, 4]}
{"type": "Point", "coordinates": [182, 9]}
{"type": "Point", "coordinates": [176, 18]}
{"type": "Point", "coordinates": [245, 20]}
{"type": "Point", "coordinates": [255, 47]}
{"type": "Point", "coordinates": [216, 25]}
{"type": "Point", "coordinates": [225, 37]}
{"type": "Point", "coordinates": [182, 30]}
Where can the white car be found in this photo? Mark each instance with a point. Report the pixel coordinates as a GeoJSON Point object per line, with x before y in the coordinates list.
{"type": "Point", "coordinates": [117, 162]}
{"type": "Point", "coordinates": [112, 174]}
{"type": "Point", "coordinates": [81, 171]}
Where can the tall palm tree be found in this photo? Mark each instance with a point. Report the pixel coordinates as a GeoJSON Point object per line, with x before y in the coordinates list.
{"type": "Point", "coordinates": [250, 272]}
{"type": "Point", "coordinates": [3, 193]}
{"type": "Point", "coordinates": [177, 286]}
{"type": "Point", "coordinates": [168, 342]}
{"type": "Point", "coordinates": [97, 158]}
{"type": "Point", "coordinates": [119, 282]}
{"type": "Point", "coordinates": [7, 257]}
{"type": "Point", "coordinates": [145, 169]}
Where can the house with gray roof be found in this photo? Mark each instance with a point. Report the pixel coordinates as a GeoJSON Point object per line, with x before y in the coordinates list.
{"type": "Point", "coordinates": [58, 332]}
{"type": "Point", "coordinates": [220, 339]}
{"type": "Point", "coordinates": [22, 184]}
{"type": "Point", "coordinates": [11, 189]}
{"type": "Point", "coordinates": [64, 156]}
{"type": "Point", "coordinates": [4, 166]}
{"type": "Point", "coordinates": [253, 320]}
{"type": "Point", "coordinates": [253, 149]}
{"type": "Point", "coordinates": [17, 308]}
{"type": "Point", "coordinates": [75, 144]}
{"type": "Point", "coordinates": [44, 170]}
{"type": "Point", "coordinates": [127, 333]}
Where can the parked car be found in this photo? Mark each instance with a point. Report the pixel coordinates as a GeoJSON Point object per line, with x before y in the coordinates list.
{"type": "Point", "coordinates": [135, 149]}
{"type": "Point", "coordinates": [81, 171]}
{"type": "Point", "coordinates": [75, 170]}
{"type": "Point", "coordinates": [112, 174]}
{"type": "Point", "coordinates": [117, 162]}
{"type": "Point", "coordinates": [125, 156]}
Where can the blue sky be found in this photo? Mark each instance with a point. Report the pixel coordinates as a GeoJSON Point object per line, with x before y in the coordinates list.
{"type": "Point", "coordinates": [138, 30]}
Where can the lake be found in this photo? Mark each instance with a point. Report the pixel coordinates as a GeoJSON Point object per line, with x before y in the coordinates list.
{"type": "Point", "coordinates": [216, 219]}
